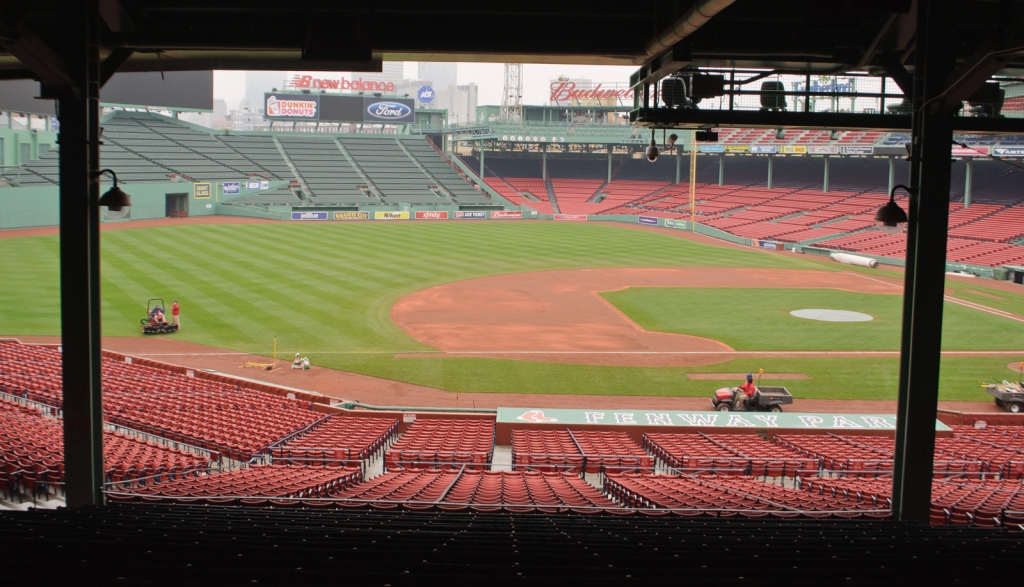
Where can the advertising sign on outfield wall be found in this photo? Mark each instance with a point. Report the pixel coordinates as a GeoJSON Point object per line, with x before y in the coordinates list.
{"type": "Point", "coordinates": [202, 190]}
{"type": "Point", "coordinates": [393, 215]}
{"type": "Point", "coordinates": [231, 187]}
{"type": "Point", "coordinates": [570, 216]}
{"type": "Point", "coordinates": [764, 149]}
{"type": "Point", "coordinates": [970, 152]}
{"type": "Point", "coordinates": [507, 214]}
{"type": "Point", "coordinates": [351, 215]}
{"type": "Point", "coordinates": [626, 417]}
{"type": "Point", "coordinates": [647, 220]}
{"type": "Point", "coordinates": [252, 185]}
{"type": "Point", "coordinates": [309, 215]}
{"type": "Point", "coordinates": [793, 149]}
{"type": "Point", "coordinates": [429, 215]}
{"type": "Point", "coordinates": [823, 150]}
{"type": "Point", "coordinates": [470, 215]}
{"type": "Point", "coordinates": [712, 148]}
{"type": "Point", "coordinates": [1009, 151]}
{"type": "Point", "coordinates": [737, 148]}
{"type": "Point", "coordinates": [857, 150]}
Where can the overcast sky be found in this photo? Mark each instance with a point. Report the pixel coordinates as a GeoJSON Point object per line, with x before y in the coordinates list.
{"type": "Point", "coordinates": [489, 77]}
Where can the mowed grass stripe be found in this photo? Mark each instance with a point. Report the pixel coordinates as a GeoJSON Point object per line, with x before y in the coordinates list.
{"type": "Point", "coordinates": [248, 299]}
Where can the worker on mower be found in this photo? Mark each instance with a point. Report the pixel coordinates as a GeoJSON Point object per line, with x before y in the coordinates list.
{"type": "Point", "coordinates": [156, 315]}
{"type": "Point", "coordinates": [748, 390]}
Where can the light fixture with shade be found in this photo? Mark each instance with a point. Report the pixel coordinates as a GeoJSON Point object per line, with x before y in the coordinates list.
{"type": "Point", "coordinates": [890, 216]}
{"type": "Point", "coordinates": [652, 150]}
{"type": "Point", "coordinates": [672, 138]}
{"type": "Point", "coordinates": [114, 200]}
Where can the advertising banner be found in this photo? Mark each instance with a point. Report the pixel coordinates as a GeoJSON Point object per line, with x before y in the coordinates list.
{"type": "Point", "coordinates": [507, 214]}
{"type": "Point", "coordinates": [291, 106]}
{"type": "Point", "coordinates": [793, 149]}
{"type": "Point", "coordinates": [1009, 151]}
{"type": "Point", "coordinates": [252, 185]}
{"type": "Point", "coordinates": [202, 190]}
{"type": "Point", "coordinates": [392, 215]}
{"type": "Point", "coordinates": [309, 215]}
{"type": "Point", "coordinates": [711, 148]}
{"type": "Point", "coordinates": [264, 185]}
{"type": "Point", "coordinates": [671, 418]}
{"type": "Point", "coordinates": [425, 215]}
{"type": "Point", "coordinates": [570, 216]}
{"type": "Point", "coordinates": [425, 94]}
{"type": "Point", "coordinates": [971, 152]}
{"type": "Point", "coordinates": [823, 150]}
{"type": "Point", "coordinates": [737, 148]}
{"type": "Point", "coordinates": [857, 150]}
{"type": "Point", "coordinates": [351, 215]}
{"type": "Point", "coordinates": [764, 149]}
{"type": "Point", "coordinates": [231, 187]}
{"type": "Point", "coordinates": [388, 111]}
{"type": "Point", "coordinates": [647, 220]}
{"type": "Point", "coordinates": [477, 215]}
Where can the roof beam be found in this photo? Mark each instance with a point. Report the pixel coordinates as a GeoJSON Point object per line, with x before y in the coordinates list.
{"type": "Point", "coordinates": [46, 65]}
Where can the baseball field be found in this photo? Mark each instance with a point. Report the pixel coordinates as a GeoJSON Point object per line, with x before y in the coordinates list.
{"type": "Point", "coordinates": [522, 307]}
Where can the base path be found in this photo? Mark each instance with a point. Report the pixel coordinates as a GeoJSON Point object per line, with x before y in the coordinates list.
{"type": "Point", "coordinates": [559, 316]}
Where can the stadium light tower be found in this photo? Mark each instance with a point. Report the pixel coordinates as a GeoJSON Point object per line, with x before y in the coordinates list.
{"type": "Point", "coordinates": [512, 97]}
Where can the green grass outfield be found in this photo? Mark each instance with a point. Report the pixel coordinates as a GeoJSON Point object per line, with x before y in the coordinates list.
{"type": "Point", "coordinates": [327, 289]}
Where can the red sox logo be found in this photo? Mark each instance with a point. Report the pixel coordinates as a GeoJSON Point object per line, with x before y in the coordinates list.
{"type": "Point", "coordinates": [535, 416]}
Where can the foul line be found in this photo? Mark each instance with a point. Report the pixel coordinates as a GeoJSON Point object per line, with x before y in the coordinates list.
{"type": "Point", "coordinates": [958, 301]}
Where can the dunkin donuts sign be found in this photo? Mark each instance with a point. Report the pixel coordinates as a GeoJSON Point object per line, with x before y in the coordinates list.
{"type": "Point", "coordinates": [292, 106]}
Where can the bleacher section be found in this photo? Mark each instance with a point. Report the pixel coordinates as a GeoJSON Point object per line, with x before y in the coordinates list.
{"type": "Point", "coordinates": [227, 420]}
{"type": "Point", "coordinates": [325, 171]}
{"type": "Point", "coordinates": [32, 454]}
{"type": "Point", "coordinates": [337, 442]}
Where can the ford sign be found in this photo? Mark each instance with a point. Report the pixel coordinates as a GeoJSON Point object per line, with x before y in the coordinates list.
{"type": "Point", "coordinates": [394, 111]}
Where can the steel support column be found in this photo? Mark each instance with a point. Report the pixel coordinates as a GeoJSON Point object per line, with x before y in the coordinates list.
{"type": "Point", "coordinates": [544, 164]}
{"type": "Point", "coordinates": [968, 180]}
{"type": "Point", "coordinates": [481, 159]}
{"type": "Point", "coordinates": [824, 187]}
{"type": "Point", "coordinates": [721, 169]}
{"type": "Point", "coordinates": [892, 175]}
{"type": "Point", "coordinates": [79, 113]}
{"type": "Point", "coordinates": [610, 165]}
{"type": "Point", "coordinates": [925, 275]}
{"type": "Point", "coordinates": [771, 167]}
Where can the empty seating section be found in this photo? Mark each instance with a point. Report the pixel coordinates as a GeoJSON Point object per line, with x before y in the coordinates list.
{"type": "Point", "coordinates": [611, 452]}
{"type": "Point", "coordinates": [326, 171]}
{"type": "Point", "coordinates": [618, 193]}
{"type": "Point", "coordinates": [524, 491]}
{"type": "Point", "coordinates": [982, 503]}
{"type": "Point", "coordinates": [410, 489]}
{"type": "Point", "coordinates": [545, 450]}
{"type": "Point", "coordinates": [32, 454]}
{"type": "Point", "coordinates": [392, 171]}
{"type": "Point", "coordinates": [513, 195]}
{"type": "Point", "coordinates": [535, 187]}
{"type": "Point", "coordinates": [158, 139]}
{"type": "Point", "coordinates": [732, 497]}
{"type": "Point", "coordinates": [444, 443]}
{"type": "Point", "coordinates": [235, 422]}
{"type": "Point", "coordinates": [262, 151]}
{"type": "Point", "coordinates": [727, 454]}
{"type": "Point", "coordinates": [1000, 227]}
{"type": "Point", "coordinates": [573, 195]}
{"type": "Point", "coordinates": [462, 192]}
{"type": "Point", "coordinates": [337, 441]}
{"type": "Point", "coordinates": [250, 486]}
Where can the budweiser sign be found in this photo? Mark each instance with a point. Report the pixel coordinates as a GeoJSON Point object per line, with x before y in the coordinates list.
{"type": "Point", "coordinates": [562, 91]}
{"type": "Point", "coordinates": [307, 81]}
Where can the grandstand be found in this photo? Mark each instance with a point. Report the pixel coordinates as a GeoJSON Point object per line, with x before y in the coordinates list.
{"type": "Point", "coordinates": [281, 453]}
